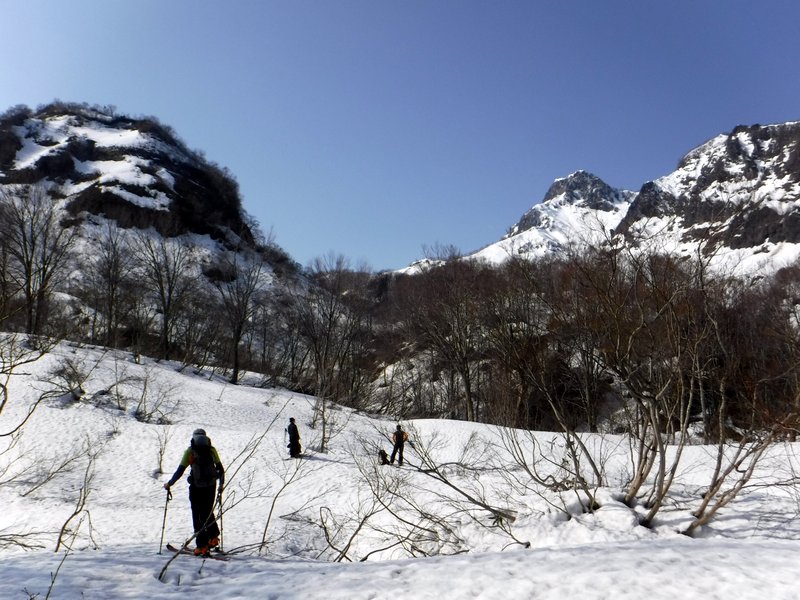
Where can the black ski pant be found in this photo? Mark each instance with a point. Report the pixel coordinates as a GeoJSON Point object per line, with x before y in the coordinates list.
{"type": "Point", "coordinates": [205, 524]}
{"type": "Point", "coordinates": [398, 449]}
{"type": "Point", "coordinates": [294, 447]}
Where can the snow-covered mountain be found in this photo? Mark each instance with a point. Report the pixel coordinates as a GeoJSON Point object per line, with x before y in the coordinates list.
{"type": "Point", "coordinates": [580, 208]}
{"type": "Point", "coordinates": [135, 212]}
{"type": "Point", "coordinates": [735, 198]}
{"type": "Point", "coordinates": [135, 172]}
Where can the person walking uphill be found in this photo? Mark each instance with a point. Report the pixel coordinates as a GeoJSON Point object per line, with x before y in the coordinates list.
{"type": "Point", "coordinates": [294, 439]}
{"type": "Point", "coordinates": [399, 438]}
{"type": "Point", "coordinates": [206, 468]}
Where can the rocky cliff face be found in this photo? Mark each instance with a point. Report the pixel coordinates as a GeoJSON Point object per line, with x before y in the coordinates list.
{"type": "Point", "coordinates": [738, 190]}
{"type": "Point", "coordinates": [135, 172]}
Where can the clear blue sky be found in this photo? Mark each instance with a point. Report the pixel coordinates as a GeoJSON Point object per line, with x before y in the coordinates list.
{"type": "Point", "coordinates": [374, 128]}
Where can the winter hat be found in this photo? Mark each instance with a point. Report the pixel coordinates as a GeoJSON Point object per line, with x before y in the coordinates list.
{"type": "Point", "coordinates": [199, 438]}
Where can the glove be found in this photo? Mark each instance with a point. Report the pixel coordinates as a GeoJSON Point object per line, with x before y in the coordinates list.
{"type": "Point", "coordinates": [167, 486]}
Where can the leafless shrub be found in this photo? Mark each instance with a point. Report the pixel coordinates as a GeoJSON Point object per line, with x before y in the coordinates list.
{"type": "Point", "coordinates": [15, 352]}
{"type": "Point", "coordinates": [289, 475]}
{"type": "Point", "coordinates": [421, 515]}
{"type": "Point", "coordinates": [341, 530]}
{"type": "Point", "coordinates": [68, 533]}
{"type": "Point", "coordinates": [550, 469]}
{"type": "Point", "coordinates": [408, 519]}
{"type": "Point", "coordinates": [735, 466]}
{"type": "Point", "coordinates": [44, 470]}
{"type": "Point", "coordinates": [163, 435]}
{"type": "Point", "coordinates": [156, 400]}
{"type": "Point", "coordinates": [468, 467]}
{"type": "Point", "coordinates": [68, 379]}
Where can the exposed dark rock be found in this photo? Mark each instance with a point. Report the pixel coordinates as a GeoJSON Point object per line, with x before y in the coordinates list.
{"type": "Point", "coordinates": [738, 190]}
{"type": "Point", "coordinates": [200, 197]}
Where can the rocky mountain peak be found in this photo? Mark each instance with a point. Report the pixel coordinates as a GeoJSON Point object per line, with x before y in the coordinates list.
{"type": "Point", "coordinates": [585, 189]}
{"type": "Point", "coordinates": [739, 190]}
{"type": "Point", "coordinates": [581, 191]}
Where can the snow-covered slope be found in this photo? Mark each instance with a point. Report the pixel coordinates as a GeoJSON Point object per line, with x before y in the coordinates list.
{"type": "Point", "coordinates": [552, 550]}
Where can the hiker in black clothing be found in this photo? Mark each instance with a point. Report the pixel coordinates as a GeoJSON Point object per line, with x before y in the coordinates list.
{"type": "Point", "coordinates": [206, 468]}
{"type": "Point", "coordinates": [294, 439]}
{"type": "Point", "coordinates": [399, 438]}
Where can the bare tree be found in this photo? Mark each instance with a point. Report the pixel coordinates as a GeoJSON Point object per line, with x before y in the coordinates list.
{"type": "Point", "coordinates": [165, 271]}
{"type": "Point", "coordinates": [237, 295]}
{"type": "Point", "coordinates": [163, 435]}
{"type": "Point", "coordinates": [199, 331]}
{"type": "Point", "coordinates": [336, 326]}
{"type": "Point", "coordinates": [108, 273]}
{"type": "Point", "coordinates": [36, 247]}
{"type": "Point", "coordinates": [277, 346]}
{"type": "Point", "coordinates": [10, 290]}
{"type": "Point", "coordinates": [441, 310]}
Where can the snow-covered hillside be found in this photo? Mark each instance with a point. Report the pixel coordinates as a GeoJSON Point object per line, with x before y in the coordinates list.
{"type": "Point", "coordinates": [285, 521]}
{"type": "Point", "coordinates": [734, 199]}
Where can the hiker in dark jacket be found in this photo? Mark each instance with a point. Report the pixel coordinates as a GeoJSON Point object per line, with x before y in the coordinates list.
{"type": "Point", "coordinates": [399, 438]}
{"type": "Point", "coordinates": [206, 468]}
{"type": "Point", "coordinates": [294, 439]}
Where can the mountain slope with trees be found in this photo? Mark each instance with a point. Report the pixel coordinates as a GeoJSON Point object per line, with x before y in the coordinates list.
{"type": "Point", "coordinates": [549, 329]}
{"type": "Point", "coordinates": [135, 172]}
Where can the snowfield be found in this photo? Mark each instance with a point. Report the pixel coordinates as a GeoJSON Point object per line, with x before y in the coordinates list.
{"type": "Point", "coordinates": [274, 505]}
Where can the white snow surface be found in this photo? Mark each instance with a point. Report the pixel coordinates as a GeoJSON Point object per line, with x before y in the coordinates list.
{"type": "Point", "coordinates": [750, 552]}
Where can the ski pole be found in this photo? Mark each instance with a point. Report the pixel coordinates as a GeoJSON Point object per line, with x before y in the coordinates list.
{"type": "Point", "coordinates": [164, 522]}
{"type": "Point", "coordinates": [219, 511]}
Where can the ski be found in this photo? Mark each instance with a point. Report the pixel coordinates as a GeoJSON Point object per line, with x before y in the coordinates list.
{"type": "Point", "coordinates": [214, 554]}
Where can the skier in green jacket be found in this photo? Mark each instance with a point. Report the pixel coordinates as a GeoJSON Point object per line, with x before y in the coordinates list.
{"type": "Point", "coordinates": [206, 468]}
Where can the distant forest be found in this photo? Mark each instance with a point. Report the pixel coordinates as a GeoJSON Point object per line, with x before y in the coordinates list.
{"type": "Point", "coordinates": [599, 340]}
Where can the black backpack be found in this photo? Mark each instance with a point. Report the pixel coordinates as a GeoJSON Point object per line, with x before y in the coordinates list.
{"type": "Point", "coordinates": [204, 471]}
